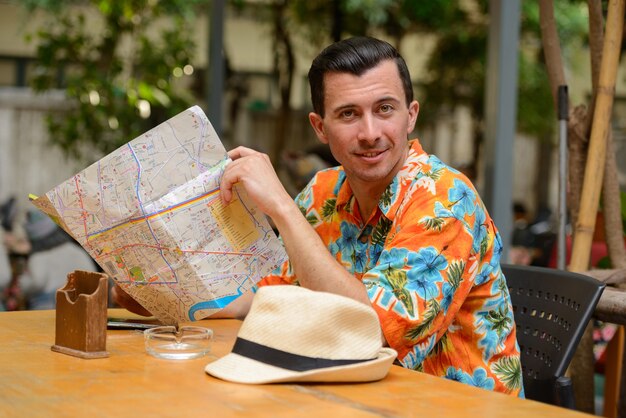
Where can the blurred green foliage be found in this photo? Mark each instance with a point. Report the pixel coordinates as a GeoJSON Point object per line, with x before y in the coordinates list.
{"type": "Point", "coordinates": [111, 74]}
{"type": "Point", "coordinates": [122, 78]}
{"type": "Point", "coordinates": [456, 68]}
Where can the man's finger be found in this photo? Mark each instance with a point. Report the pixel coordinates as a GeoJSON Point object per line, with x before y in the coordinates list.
{"type": "Point", "coordinates": [226, 186]}
{"type": "Point", "coordinates": [240, 152]}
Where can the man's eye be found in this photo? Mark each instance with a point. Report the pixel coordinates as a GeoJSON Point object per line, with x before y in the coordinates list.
{"type": "Point", "coordinates": [386, 108]}
{"type": "Point", "coordinates": [347, 114]}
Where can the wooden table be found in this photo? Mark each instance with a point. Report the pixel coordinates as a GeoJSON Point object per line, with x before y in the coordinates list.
{"type": "Point", "coordinates": [37, 382]}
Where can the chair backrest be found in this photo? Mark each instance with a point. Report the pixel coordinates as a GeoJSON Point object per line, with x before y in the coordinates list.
{"type": "Point", "coordinates": [551, 309]}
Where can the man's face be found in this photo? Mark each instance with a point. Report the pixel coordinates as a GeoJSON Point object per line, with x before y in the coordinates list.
{"type": "Point", "coordinates": [366, 123]}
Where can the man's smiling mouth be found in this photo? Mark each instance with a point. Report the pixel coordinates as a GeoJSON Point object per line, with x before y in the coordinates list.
{"type": "Point", "coordinates": [370, 154]}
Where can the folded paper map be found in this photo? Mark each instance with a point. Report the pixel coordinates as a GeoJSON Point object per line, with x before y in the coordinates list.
{"type": "Point", "coordinates": [150, 214]}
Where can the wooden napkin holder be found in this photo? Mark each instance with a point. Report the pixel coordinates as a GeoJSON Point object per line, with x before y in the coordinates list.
{"type": "Point", "coordinates": [81, 315]}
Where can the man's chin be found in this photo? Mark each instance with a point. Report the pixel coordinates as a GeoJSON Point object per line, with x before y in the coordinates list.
{"type": "Point", "coordinates": [370, 176]}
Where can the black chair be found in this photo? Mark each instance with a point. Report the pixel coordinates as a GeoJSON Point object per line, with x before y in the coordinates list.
{"type": "Point", "coordinates": [551, 309]}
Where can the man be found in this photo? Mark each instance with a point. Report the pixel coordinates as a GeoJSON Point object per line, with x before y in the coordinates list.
{"type": "Point", "coordinates": [391, 227]}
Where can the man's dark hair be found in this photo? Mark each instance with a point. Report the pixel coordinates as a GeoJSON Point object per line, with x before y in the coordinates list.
{"type": "Point", "coordinates": [356, 56]}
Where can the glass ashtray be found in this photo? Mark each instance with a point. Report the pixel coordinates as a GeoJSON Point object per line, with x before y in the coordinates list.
{"type": "Point", "coordinates": [187, 342]}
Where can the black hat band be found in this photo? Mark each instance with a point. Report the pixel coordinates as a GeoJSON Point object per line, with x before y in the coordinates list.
{"type": "Point", "coordinates": [285, 360]}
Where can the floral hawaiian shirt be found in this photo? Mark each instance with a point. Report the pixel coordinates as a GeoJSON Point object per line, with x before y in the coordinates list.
{"type": "Point", "coordinates": [430, 260]}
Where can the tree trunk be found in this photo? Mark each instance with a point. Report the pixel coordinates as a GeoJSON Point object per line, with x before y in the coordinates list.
{"type": "Point", "coordinates": [551, 48]}
{"type": "Point", "coordinates": [594, 173]}
{"type": "Point", "coordinates": [284, 66]}
{"type": "Point", "coordinates": [612, 209]}
{"type": "Point", "coordinates": [596, 39]}
{"type": "Point", "coordinates": [577, 145]}
{"type": "Point", "coordinates": [596, 158]}
{"type": "Point", "coordinates": [611, 204]}
{"type": "Point", "coordinates": [612, 212]}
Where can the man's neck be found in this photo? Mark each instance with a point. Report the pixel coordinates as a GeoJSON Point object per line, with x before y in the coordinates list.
{"type": "Point", "coordinates": [367, 199]}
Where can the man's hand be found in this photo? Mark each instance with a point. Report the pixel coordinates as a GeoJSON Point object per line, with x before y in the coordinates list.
{"type": "Point", "coordinates": [124, 300]}
{"type": "Point", "coordinates": [255, 172]}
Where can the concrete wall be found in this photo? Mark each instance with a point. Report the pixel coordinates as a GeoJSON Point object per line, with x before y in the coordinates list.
{"type": "Point", "coordinates": [28, 164]}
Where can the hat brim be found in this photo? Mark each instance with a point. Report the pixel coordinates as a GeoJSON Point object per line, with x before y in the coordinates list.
{"type": "Point", "coordinates": [236, 368]}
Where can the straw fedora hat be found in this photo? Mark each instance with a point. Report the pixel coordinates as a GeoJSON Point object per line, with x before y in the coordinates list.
{"type": "Point", "coordinates": [293, 334]}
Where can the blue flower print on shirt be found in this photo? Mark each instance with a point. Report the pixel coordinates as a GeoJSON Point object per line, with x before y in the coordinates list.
{"type": "Point", "coordinates": [484, 274]}
{"type": "Point", "coordinates": [497, 251]}
{"type": "Point", "coordinates": [374, 252]}
{"type": "Point", "coordinates": [479, 231]}
{"type": "Point", "coordinates": [448, 293]}
{"type": "Point", "coordinates": [347, 245]}
{"type": "Point", "coordinates": [394, 259]}
{"type": "Point", "coordinates": [425, 272]}
{"type": "Point", "coordinates": [489, 342]}
{"type": "Point", "coordinates": [494, 325]}
{"type": "Point", "coordinates": [360, 257]}
{"type": "Point", "coordinates": [437, 165]}
{"type": "Point", "coordinates": [456, 374]}
{"type": "Point", "coordinates": [348, 240]}
{"type": "Point", "coordinates": [478, 379]}
{"type": "Point", "coordinates": [463, 199]}
{"type": "Point", "coordinates": [442, 212]}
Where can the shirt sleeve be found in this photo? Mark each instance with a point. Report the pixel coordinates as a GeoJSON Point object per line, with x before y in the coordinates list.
{"type": "Point", "coordinates": [428, 266]}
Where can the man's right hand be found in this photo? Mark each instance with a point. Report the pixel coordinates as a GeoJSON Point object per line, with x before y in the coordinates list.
{"type": "Point", "coordinates": [124, 300]}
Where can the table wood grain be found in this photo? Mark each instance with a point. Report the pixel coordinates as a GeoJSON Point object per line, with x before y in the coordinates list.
{"type": "Point", "coordinates": [37, 382]}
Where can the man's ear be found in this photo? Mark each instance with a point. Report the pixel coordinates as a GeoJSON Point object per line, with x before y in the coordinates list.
{"type": "Point", "coordinates": [414, 109]}
{"type": "Point", "coordinates": [317, 122]}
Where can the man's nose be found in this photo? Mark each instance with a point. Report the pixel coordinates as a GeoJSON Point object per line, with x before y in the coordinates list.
{"type": "Point", "coordinates": [369, 128]}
